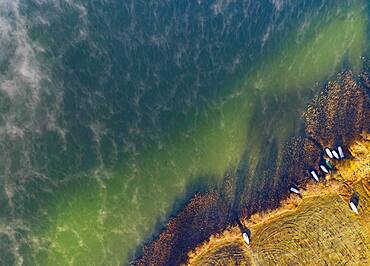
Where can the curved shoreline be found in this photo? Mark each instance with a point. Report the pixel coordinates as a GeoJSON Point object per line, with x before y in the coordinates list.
{"type": "Point", "coordinates": [337, 115]}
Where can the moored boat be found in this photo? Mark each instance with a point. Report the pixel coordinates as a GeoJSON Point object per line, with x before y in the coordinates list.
{"type": "Point", "coordinates": [329, 153]}
{"type": "Point", "coordinates": [335, 154]}
{"type": "Point", "coordinates": [341, 153]}
{"type": "Point", "coordinates": [323, 168]}
{"type": "Point", "coordinates": [314, 175]}
{"type": "Point", "coordinates": [246, 238]}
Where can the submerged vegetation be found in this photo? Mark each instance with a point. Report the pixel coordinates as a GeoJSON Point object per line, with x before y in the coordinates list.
{"type": "Point", "coordinates": [325, 126]}
{"type": "Point", "coordinates": [122, 111]}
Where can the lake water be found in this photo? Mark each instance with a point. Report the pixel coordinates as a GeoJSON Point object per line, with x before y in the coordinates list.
{"type": "Point", "coordinates": [111, 110]}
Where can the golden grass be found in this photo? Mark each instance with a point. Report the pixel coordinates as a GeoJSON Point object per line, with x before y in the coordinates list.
{"type": "Point", "coordinates": [319, 229]}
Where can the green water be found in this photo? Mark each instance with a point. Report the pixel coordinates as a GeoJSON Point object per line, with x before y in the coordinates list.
{"type": "Point", "coordinates": [101, 220]}
{"type": "Point", "coordinates": [97, 207]}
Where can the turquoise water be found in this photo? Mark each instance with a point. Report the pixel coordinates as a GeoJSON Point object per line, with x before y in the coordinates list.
{"type": "Point", "coordinates": [111, 111]}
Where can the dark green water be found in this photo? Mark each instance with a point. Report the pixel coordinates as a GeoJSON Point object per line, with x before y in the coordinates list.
{"type": "Point", "coordinates": [110, 110]}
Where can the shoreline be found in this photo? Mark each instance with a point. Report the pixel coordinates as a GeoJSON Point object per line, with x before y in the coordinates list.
{"type": "Point", "coordinates": [335, 185]}
{"type": "Point", "coordinates": [341, 109]}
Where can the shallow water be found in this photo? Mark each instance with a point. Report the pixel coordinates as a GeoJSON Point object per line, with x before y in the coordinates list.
{"type": "Point", "coordinates": [116, 109]}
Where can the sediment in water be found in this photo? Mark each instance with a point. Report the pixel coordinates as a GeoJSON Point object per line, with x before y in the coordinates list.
{"type": "Point", "coordinates": [337, 115]}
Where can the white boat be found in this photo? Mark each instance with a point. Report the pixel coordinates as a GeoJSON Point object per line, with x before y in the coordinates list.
{"type": "Point", "coordinates": [341, 153]}
{"type": "Point", "coordinates": [353, 207]}
{"type": "Point", "coordinates": [246, 238]}
{"type": "Point", "coordinates": [335, 154]}
{"type": "Point", "coordinates": [314, 175]}
{"type": "Point", "coordinates": [324, 169]}
{"type": "Point", "coordinates": [294, 190]}
{"type": "Point", "coordinates": [328, 152]}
